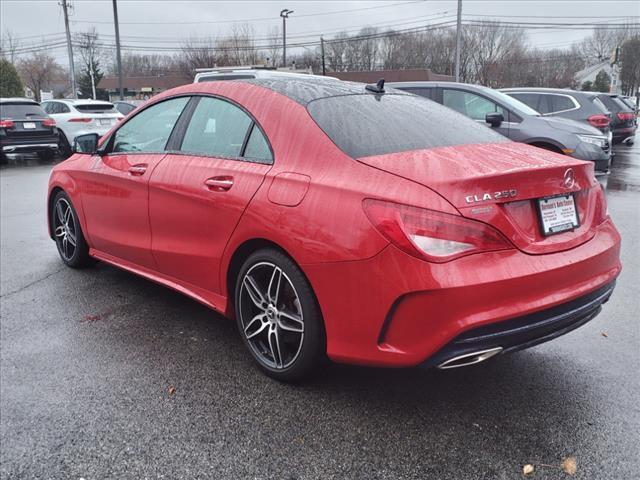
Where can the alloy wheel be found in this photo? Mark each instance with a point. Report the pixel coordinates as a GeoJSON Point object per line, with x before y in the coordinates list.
{"type": "Point", "coordinates": [65, 229]}
{"type": "Point", "coordinates": [271, 315]}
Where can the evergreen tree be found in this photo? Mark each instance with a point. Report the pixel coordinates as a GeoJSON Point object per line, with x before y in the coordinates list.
{"type": "Point", "coordinates": [602, 83]}
{"type": "Point", "coordinates": [10, 83]}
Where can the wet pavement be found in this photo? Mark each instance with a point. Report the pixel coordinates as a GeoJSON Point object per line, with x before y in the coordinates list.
{"type": "Point", "coordinates": [87, 360]}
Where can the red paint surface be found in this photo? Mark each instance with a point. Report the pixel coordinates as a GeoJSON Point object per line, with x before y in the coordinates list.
{"type": "Point", "coordinates": [168, 226]}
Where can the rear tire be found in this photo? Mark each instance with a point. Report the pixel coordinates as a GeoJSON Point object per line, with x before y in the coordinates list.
{"type": "Point", "coordinates": [67, 232]}
{"type": "Point", "coordinates": [278, 316]}
{"type": "Point", "coordinates": [63, 146]}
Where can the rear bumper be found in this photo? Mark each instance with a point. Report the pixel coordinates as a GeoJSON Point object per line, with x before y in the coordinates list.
{"type": "Point", "coordinates": [395, 310]}
{"type": "Point", "coordinates": [523, 332]}
{"type": "Point", "coordinates": [29, 147]}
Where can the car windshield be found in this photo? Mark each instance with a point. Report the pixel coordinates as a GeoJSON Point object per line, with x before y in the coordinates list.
{"type": "Point", "coordinates": [21, 110]}
{"type": "Point", "coordinates": [513, 103]}
{"type": "Point", "coordinates": [367, 125]}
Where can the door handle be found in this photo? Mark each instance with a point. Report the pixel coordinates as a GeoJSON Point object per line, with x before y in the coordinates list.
{"type": "Point", "coordinates": [138, 169]}
{"type": "Point", "coordinates": [219, 184]}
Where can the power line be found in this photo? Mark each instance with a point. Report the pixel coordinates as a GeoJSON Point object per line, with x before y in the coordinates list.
{"type": "Point", "coordinates": [249, 20]}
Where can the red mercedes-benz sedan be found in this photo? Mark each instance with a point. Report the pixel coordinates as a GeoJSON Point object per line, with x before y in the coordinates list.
{"type": "Point", "coordinates": [336, 220]}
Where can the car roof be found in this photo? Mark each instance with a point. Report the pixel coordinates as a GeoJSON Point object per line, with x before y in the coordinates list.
{"type": "Point", "coordinates": [306, 90]}
{"type": "Point", "coordinates": [18, 100]}
{"type": "Point", "coordinates": [566, 91]}
{"type": "Point", "coordinates": [257, 73]}
{"type": "Point", "coordinates": [79, 101]}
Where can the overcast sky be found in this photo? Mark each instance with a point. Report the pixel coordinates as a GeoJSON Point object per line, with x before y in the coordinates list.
{"type": "Point", "coordinates": [163, 23]}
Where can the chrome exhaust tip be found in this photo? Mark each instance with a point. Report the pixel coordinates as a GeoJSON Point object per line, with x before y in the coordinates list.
{"type": "Point", "coordinates": [469, 358]}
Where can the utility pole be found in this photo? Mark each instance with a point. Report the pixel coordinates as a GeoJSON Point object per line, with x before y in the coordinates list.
{"type": "Point", "coordinates": [284, 14]}
{"type": "Point", "coordinates": [93, 79]}
{"type": "Point", "coordinates": [324, 70]}
{"type": "Point", "coordinates": [118, 57]}
{"type": "Point", "coordinates": [72, 70]}
{"type": "Point", "coordinates": [458, 35]}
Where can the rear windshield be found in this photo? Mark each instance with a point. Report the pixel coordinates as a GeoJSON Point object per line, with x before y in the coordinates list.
{"type": "Point", "coordinates": [21, 110]}
{"type": "Point", "coordinates": [601, 106]}
{"type": "Point", "coordinates": [96, 108]}
{"type": "Point", "coordinates": [215, 78]}
{"type": "Point", "coordinates": [367, 125]}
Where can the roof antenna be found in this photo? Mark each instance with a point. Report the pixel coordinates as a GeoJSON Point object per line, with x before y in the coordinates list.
{"type": "Point", "coordinates": [377, 88]}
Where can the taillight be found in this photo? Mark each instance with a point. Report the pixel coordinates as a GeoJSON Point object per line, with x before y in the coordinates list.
{"type": "Point", "coordinates": [81, 120]}
{"type": "Point", "coordinates": [599, 121]}
{"type": "Point", "coordinates": [7, 124]}
{"type": "Point", "coordinates": [601, 211]}
{"type": "Point", "coordinates": [49, 122]}
{"type": "Point", "coordinates": [625, 116]}
{"type": "Point", "coordinates": [431, 235]}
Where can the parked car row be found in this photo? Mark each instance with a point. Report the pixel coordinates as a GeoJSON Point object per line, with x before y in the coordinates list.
{"type": "Point", "coordinates": [582, 125]}
{"type": "Point", "coordinates": [51, 127]}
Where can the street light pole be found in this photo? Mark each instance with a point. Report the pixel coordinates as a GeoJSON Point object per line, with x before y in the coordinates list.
{"type": "Point", "coordinates": [324, 70]}
{"type": "Point", "coordinates": [118, 57]}
{"type": "Point", "coordinates": [284, 14]}
{"type": "Point", "coordinates": [458, 35]}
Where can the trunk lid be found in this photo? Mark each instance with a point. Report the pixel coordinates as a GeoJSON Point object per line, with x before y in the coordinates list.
{"type": "Point", "coordinates": [500, 184]}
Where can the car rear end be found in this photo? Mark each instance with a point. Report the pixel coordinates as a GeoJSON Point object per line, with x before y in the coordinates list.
{"type": "Point", "coordinates": [623, 118]}
{"type": "Point", "coordinates": [91, 117]}
{"type": "Point", "coordinates": [26, 128]}
{"type": "Point", "coordinates": [522, 252]}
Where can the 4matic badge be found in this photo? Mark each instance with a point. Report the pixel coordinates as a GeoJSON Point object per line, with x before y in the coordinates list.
{"type": "Point", "coordinates": [483, 197]}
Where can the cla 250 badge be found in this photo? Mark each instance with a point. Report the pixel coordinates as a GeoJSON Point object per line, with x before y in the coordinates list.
{"type": "Point", "coordinates": [491, 196]}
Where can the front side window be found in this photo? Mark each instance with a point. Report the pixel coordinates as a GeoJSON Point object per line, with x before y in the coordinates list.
{"type": "Point", "coordinates": [217, 128]}
{"type": "Point", "coordinates": [469, 104]}
{"type": "Point", "coordinates": [149, 131]}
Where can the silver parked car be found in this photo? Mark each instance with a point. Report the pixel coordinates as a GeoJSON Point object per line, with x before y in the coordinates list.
{"type": "Point", "coordinates": [517, 121]}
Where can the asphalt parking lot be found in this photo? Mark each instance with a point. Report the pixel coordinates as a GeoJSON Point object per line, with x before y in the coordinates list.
{"type": "Point", "coordinates": [88, 359]}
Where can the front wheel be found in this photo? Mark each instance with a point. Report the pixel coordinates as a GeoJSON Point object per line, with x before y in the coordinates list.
{"type": "Point", "coordinates": [72, 246]}
{"type": "Point", "coordinates": [278, 316]}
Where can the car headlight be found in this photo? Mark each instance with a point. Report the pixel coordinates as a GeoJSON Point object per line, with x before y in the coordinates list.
{"type": "Point", "coordinates": [593, 140]}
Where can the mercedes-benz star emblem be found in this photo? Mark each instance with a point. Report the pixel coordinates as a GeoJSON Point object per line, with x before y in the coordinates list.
{"type": "Point", "coordinates": [569, 178]}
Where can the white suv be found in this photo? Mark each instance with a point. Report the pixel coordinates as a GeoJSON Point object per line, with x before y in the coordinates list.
{"type": "Point", "coordinates": [78, 117]}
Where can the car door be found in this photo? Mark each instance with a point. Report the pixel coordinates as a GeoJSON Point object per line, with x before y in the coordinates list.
{"type": "Point", "coordinates": [115, 190]}
{"type": "Point", "coordinates": [475, 106]}
{"type": "Point", "coordinates": [198, 192]}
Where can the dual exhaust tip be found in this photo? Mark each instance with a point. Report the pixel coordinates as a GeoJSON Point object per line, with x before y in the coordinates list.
{"type": "Point", "coordinates": [469, 358]}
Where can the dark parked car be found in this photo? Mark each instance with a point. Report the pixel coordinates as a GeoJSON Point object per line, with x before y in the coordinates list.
{"type": "Point", "coordinates": [125, 107]}
{"type": "Point", "coordinates": [623, 121]}
{"type": "Point", "coordinates": [26, 128]}
{"type": "Point", "coordinates": [517, 121]}
{"type": "Point", "coordinates": [582, 106]}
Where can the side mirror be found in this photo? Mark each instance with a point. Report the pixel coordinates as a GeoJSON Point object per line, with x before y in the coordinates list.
{"type": "Point", "coordinates": [494, 119]}
{"type": "Point", "coordinates": [87, 143]}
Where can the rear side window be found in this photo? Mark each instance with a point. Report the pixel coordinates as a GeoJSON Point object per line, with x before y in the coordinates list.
{"type": "Point", "coordinates": [95, 108]}
{"type": "Point", "coordinates": [560, 103]}
{"type": "Point", "coordinates": [530, 99]}
{"type": "Point", "coordinates": [21, 110]}
{"type": "Point", "coordinates": [423, 92]}
{"type": "Point", "coordinates": [149, 130]}
{"type": "Point", "coordinates": [257, 148]}
{"type": "Point", "coordinates": [217, 128]}
{"type": "Point", "coordinates": [366, 125]}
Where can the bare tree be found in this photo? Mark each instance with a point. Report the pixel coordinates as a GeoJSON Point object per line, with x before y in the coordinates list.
{"type": "Point", "coordinates": [8, 46]}
{"type": "Point", "coordinates": [39, 72]}
{"type": "Point", "coordinates": [196, 54]}
{"type": "Point", "coordinates": [274, 49]}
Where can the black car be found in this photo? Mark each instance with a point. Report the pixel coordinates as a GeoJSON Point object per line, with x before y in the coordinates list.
{"type": "Point", "coordinates": [26, 128]}
{"type": "Point", "coordinates": [623, 120]}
